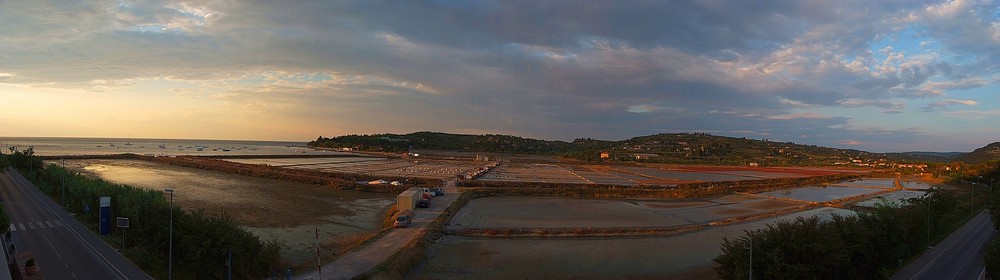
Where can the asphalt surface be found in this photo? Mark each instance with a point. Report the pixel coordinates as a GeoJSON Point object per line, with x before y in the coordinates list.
{"type": "Point", "coordinates": [63, 247]}
{"type": "Point", "coordinates": [365, 258]}
{"type": "Point", "coordinates": [957, 257]}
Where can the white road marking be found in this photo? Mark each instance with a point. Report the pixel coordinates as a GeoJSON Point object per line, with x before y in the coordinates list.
{"type": "Point", "coordinates": [40, 225]}
{"type": "Point", "coordinates": [22, 226]}
{"type": "Point", "coordinates": [32, 226]}
{"type": "Point", "coordinates": [12, 227]}
{"type": "Point", "coordinates": [49, 223]}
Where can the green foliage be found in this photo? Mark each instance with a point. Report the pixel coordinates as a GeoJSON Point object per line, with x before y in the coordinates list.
{"type": "Point", "coordinates": [989, 152]}
{"type": "Point", "coordinates": [991, 258]}
{"type": "Point", "coordinates": [688, 148]}
{"type": "Point", "coordinates": [870, 245]}
{"type": "Point", "coordinates": [21, 159]}
{"type": "Point", "coordinates": [201, 241]}
{"type": "Point", "coordinates": [4, 220]}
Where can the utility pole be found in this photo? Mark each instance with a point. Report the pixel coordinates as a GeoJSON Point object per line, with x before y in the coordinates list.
{"type": "Point", "coordinates": [972, 210]}
{"type": "Point", "coordinates": [63, 181]}
{"type": "Point", "coordinates": [170, 262]}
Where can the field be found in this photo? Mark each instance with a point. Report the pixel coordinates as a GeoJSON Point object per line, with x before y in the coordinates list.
{"type": "Point", "coordinates": [630, 175]}
{"type": "Point", "coordinates": [372, 166]}
{"type": "Point", "coordinates": [272, 209]}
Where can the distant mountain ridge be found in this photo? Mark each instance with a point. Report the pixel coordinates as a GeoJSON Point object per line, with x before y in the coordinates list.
{"type": "Point", "coordinates": [696, 148]}
{"type": "Point", "coordinates": [986, 153]}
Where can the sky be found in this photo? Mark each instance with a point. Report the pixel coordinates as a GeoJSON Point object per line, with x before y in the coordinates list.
{"type": "Point", "coordinates": [880, 76]}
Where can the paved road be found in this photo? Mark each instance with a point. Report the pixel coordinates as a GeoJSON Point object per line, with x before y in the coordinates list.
{"type": "Point", "coordinates": [957, 257]}
{"type": "Point", "coordinates": [363, 259]}
{"type": "Point", "coordinates": [62, 246]}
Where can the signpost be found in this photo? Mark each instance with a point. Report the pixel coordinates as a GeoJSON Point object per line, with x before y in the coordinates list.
{"type": "Point", "coordinates": [122, 223]}
{"type": "Point", "coordinates": [105, 223]}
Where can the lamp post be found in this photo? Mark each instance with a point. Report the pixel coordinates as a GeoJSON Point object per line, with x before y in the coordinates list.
{"type": "Point", "coordinates": [972, 199]}
{"type": "Point", "coordinates": [170, 263]}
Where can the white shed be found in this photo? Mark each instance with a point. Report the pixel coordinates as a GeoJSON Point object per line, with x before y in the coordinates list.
{"type": "Point", "coordinates": [408, 199]}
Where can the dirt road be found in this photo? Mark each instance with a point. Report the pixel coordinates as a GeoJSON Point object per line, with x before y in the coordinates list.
{"type": "Point", "coordinates": [365, 258]}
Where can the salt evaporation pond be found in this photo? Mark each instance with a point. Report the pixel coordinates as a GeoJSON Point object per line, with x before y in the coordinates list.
{"type": "Point", "coordinates": [898, 198]}
{"type": "Point", "coordinates": [869, 182]}
{"type": "Point", "coordinates": [682, 256]}
{"type": "Point", "coordinates": [819, 194]}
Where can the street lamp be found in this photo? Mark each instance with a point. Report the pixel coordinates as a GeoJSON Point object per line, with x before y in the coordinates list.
{"type": "Point", "coordinates": [170, 264]}
{"type": "Point", "coordinates": [972, 210]}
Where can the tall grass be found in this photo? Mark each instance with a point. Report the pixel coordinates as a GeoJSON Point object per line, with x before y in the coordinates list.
{"type": "Point", "coordinates": [201, 241]}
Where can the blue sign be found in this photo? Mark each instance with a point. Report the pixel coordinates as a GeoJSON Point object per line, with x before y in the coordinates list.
{"type": "Point", "coordinates": [105, 215]}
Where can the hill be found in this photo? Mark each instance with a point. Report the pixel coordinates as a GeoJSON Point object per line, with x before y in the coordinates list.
{"type": "Point", "coordinates": [987, 153]}
{"type": "Point", "coordinates": [687, 148]}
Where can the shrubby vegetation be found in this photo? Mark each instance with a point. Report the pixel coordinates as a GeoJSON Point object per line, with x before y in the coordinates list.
{"type": "Point", "coordinates": [685, 148]}
{"type": "Point", "coordinates": [201, 241]}
{"type": "Point", "coordinates": [871, 245]}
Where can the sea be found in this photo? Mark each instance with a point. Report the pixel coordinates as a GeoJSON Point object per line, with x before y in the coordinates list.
{"type": "Point", "coordinates": [45, 146]}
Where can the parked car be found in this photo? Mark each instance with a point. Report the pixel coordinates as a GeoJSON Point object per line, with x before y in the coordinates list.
{"type": "Point", "coordinates": [424, 203]}
{"type": "Point", "coordinates": [403, 220]}
{"type": "Point", "coordinates": [438, 191]}
{"type": "Point", "coordinates": [430, 192]}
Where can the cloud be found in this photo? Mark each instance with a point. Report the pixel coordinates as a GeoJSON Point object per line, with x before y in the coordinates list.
{"type": "Point", "coordinates": [803, 115]}
{"type": "Point", "coordinates": [551, 69]}
{"type": "Point", "coordinates": [889, 106]}
{"type": "Point", "coordinates": [850, 143]}
{"type": "Point", "coordinates": [948, 102]}
{"type": "Point", "coordinates": [974, 115]}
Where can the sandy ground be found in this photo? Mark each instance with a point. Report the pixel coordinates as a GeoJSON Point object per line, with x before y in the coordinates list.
{"type": "Point", "coordinates": [272, 209]}
{"type": "Point", "coordinates": [685, 256]}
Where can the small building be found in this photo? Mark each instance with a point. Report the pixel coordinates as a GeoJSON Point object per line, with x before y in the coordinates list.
{"type": "Point", "coordinates": [754, 164]}
{"type": "Point", "coordinates": [644, 156]}
{"type": "Point", "coordinates": [605, 155]}
{"type": "Point", "coordinates": [408, 199]}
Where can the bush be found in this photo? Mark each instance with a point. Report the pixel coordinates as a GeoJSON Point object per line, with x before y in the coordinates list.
{"type": "Point", "coordinates": [869, 246]}
{"type": "Point", "coordinates": [201, 242]}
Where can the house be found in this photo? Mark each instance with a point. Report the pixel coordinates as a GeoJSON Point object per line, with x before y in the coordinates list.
{"type": "Point", "coordinates": [754, 164]}
{"type": "Point", "coordinates": [644, 156]}
{"type": "Point", "coordinates": [605, 155]}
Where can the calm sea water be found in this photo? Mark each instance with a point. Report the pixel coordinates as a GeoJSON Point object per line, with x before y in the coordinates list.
{"type": "Point", "coordinates": [101, 146]}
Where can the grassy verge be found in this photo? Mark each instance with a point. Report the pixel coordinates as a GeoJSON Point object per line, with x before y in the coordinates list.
{"type": "Point", "coordinates": [201, 242]}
